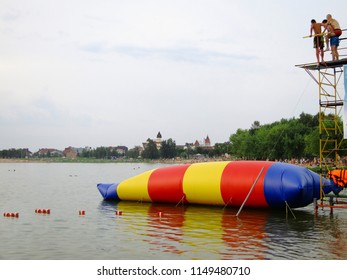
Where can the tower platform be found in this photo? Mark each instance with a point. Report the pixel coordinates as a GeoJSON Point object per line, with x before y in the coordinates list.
{"type": "Point", "coordinates": [322, 65]}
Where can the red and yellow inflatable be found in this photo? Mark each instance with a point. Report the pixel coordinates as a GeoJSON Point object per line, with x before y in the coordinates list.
{"type": "Point", "coordinates": [261, 184]}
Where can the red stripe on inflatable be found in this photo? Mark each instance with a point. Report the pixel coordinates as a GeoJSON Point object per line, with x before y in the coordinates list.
{"type": "Point", "coordinates": [165, 184]}
{"type": "Point", "coordinates": [237, 180]}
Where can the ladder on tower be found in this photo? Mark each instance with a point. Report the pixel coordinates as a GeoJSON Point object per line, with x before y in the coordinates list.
{"type": "Point", "coordinates": [328, 76]}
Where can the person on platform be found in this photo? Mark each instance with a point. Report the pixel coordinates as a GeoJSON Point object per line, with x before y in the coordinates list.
{"type": "Point", "coordinates": [329, 29]}
{"type": "Point", "coordinates": [334, 32]}
{"type": "Point", "coordinates": [318, 39]}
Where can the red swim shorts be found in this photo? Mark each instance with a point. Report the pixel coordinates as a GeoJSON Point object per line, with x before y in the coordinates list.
{"type": "Point", "coordinates": [337, 32]}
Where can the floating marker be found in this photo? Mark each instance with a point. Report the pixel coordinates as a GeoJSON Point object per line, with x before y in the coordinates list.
{"type": "Point", "coordinates": [43, 211]}
{"type": "Point", "coordinates": [119, 213]}
{"type": "Point", "coordinates": [82, 212]}
{"type": "Point", "coordinates": [12, 215]}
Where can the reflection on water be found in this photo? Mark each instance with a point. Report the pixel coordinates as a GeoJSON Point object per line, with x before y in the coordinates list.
{"type": "Point", "coordinates": [199, 232]}
{"type": "Point", "coordinates": [183, 232]}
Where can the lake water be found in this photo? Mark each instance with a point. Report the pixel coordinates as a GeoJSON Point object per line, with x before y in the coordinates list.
{"type": "Point", "coordinates": [183, 232]}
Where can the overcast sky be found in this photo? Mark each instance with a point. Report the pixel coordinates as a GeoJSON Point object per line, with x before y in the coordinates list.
{"type": "Point", "coordinates": [115, 72]}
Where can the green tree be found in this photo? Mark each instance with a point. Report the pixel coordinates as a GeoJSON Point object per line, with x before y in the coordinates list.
{"type": "Point", "coordinates": [220, 149]}
{"type": "Point", "coordinates": [134, 152]}
{"type": "Point", "coordinates": [168, 149]}
{"type": "Point", "coordinates": [255, 126]}
{"type": "Point", "coordinates": [238, 146]}
{"type": "Point", "coordinates": [151, 150]}
{"type": "Point", "coordinates": [15, 153]}
{"type": "Point", "coordinates": [312, 143]}
{"type": "Point", "coordinates": [284, 139]}
{"type": "Point", "coordinates": [101, 153]}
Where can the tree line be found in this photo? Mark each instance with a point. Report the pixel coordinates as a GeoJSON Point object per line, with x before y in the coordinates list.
{"type": "Point", "coordinates": [285, 139]}
{"type": "Point", "coordinates": [293, 138]}
{"type": "Point", "coordinates": [14, 153]}
{"type": "Point", "coordinates": [169, 150]}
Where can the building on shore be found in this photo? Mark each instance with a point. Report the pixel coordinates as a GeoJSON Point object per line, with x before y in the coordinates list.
{"type": "Point", "coordinates": [48, 152]}
{"type": "Point", "coordinates": [157, 141]}
{"type": "Point", "coordinates": [70, 152]}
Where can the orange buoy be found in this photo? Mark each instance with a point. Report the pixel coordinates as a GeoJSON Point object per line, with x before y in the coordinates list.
{"type": "Point", "coordinates": [12, 215]}
{"type": "Point", "coordinates": [43, 211]}
{"type": "Point", "coordinates": [119, 213]}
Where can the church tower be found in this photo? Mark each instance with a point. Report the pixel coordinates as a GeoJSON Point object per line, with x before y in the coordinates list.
{"type": "Point", "coordinates": [158, 140]}
{"type": "Point", "coordinates": [207, 141]}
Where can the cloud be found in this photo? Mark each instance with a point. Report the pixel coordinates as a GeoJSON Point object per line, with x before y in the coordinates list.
{"type": "Point", "coordinates": [194, 55]}
{"type": "Point", "coordinates": [41, 112]}
{"type": "Point", "coordinates": [10, 15]}
{"type": "Point", "coordinates": [110, 72]}
{"type": "Point", "coordinates": [95, 47]}
{"type": "Point", "coordinates": [178, 54]}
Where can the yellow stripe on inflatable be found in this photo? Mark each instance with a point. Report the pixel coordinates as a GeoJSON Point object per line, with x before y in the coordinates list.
{"type": "Point", "coordinates": [135, 188]}
{"type": "Point", "coordinates": [201, 183]}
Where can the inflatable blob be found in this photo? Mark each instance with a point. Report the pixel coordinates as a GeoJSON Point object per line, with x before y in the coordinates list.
{"type": "Point", "coordinates": [257, 184]}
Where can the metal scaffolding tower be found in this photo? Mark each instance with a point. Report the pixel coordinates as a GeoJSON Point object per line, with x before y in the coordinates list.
{"type": "Point", "coordinates": [328, 75]}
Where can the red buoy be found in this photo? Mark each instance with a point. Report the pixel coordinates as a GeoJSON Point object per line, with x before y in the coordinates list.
{"type": "Point", "coordinates": [119, 213]}
{"type": "Point", "coordinates": [43, 211]}
{"type": "Point", "coordinates": [12, 215]}
{"type": "Point", "coordinates": [82, 212]}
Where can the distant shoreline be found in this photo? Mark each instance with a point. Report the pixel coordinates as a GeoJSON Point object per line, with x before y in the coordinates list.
{"type": "Point", "coordinates": [14, 160]}
{"type": "Point", "coordinates": [89, 160]}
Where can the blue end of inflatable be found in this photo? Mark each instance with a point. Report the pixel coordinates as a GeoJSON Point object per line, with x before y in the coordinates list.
{"type": "Point", "coordinates": [290, 183]}
{"type": "Point", "coordinates": [328, 185]}
{"type": "Point", "coordinates": [296, 185]}
{"type": "Point", "coordinates": [108, 191]}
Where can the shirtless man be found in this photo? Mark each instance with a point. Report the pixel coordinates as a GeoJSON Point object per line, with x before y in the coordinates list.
{"type": "Point", "coordinates": [335, 31]}
{"type": "Point", "coordinates": [329, 29]}
{"type": "Point", "coordinates": [318, 40]}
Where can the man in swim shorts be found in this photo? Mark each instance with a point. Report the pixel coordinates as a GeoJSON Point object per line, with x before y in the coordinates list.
{"type": "Point", "coordinates": [318, 40]}
{"type": "Point", "coordinates": [334, 34]}
{"type": "Point", "coordinates": [329, 29]}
